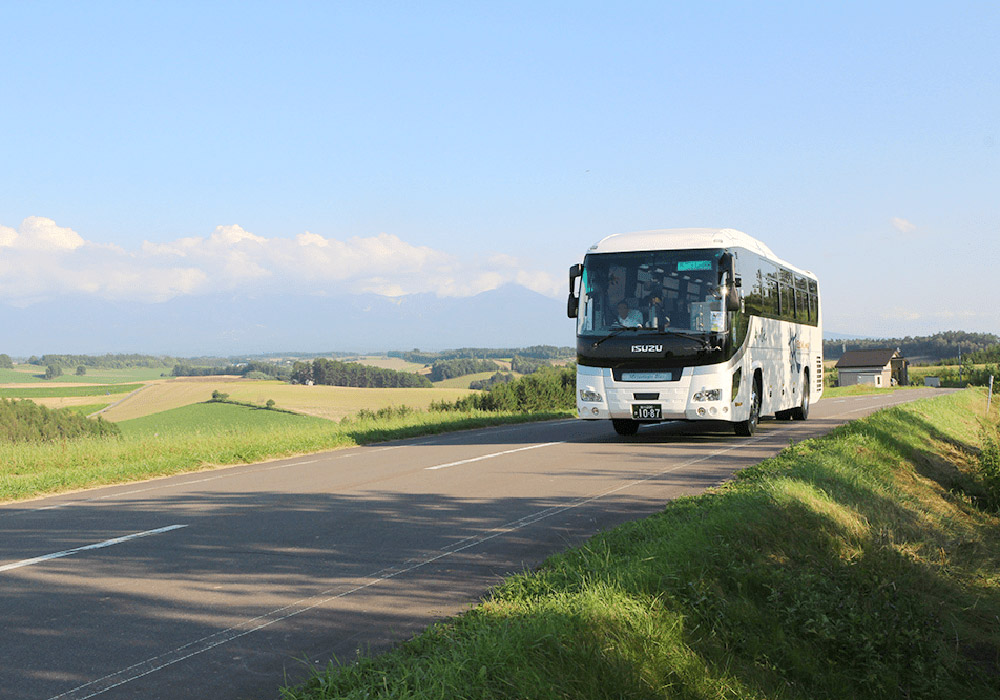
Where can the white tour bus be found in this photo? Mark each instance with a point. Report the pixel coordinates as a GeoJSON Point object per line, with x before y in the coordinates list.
{"type": "Point", "coordinates": [694, 324]}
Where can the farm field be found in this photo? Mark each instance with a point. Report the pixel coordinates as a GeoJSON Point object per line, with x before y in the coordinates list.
{"type": "Point", "coordinates": [463, 381]}
{"type": "Point", "coordinates": [384, 362]}
{"type": "Point", "coordinates": [329, 402]}
{"type": "Point", "coordinates": [64, 390]}
{"type": "Point", "coordinates": [33, 374]}
{"type": "Point", "coordinates": [210, 418]}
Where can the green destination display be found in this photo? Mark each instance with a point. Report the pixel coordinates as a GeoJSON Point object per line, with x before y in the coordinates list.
{"type": "Point", "coordinates": [687, 265]}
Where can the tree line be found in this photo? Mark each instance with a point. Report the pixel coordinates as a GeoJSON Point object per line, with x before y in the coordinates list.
{"type": "Point", "coordinates": [106, 361]}
{"type": "Point", "coordinates": [335, 373]}
{"type": "Point", "coordinates": [940, 347]}
{"type": "Point", "coordinates": [237, 370]}
{"type": "Point", "coordinates": [447, 369]}
{"type": "Point", "coordinates": [26, 421]}
{"type": "Point", "coordinates": [541, 352]}
{"type": "Point", "coordinates": [546, 390]}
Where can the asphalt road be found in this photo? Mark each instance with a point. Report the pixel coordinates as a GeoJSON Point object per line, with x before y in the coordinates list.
{"type": "Point", "coordinates": [223, 584]}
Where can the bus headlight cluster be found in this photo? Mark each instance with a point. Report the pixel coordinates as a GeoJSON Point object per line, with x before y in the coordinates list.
{"type": "Point", "coordinates": [708, 395]}
{"type": "Point", "coordinates": [591, 396]}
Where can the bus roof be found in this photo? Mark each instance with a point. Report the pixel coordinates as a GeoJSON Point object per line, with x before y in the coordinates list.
{"type": "Point", "coordinates": [684, 239]}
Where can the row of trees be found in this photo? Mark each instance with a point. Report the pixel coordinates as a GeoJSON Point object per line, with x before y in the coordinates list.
{"type": "Point", "coordinates": [545, 390]}
{"type": "Point", "coordinates": [541, 352]}
{"type": "Point", "coordinates": [107, 361]}
{"type": "Point", "coordinates": [336, 373]}
{"type": "Point", "coordinates": [26, 421]}
{"type": "Point", "coordinates": [269, 369]}
{"type": "Point", "coordinates": [447, 369]}
{"type": "Point", "coordinates": [940, 347]}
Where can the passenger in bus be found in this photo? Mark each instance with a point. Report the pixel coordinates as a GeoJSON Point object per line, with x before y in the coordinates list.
{"type": "Point", "coordinates": [630, 318]}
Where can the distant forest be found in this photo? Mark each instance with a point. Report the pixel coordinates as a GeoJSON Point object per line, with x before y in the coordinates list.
{"type": "Point", "coordinates": [447, 369]}
{"type": "Point", "coordinates": [941, 348]}
{"type": "Point", "coordinates": [335, 373]}
{"type": "Point", "coordinates": [540, 352]}
{"type": "Point", "coordinates": [107, 361]}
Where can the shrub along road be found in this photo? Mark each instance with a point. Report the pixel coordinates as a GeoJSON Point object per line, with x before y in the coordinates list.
{"type": "Point", "coordinates": [224, 584]}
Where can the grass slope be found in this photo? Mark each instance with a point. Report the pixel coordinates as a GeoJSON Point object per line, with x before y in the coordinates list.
{"type": "Point", "coordinates": [213, 418]}
{"type": "Point", "coordinates": [859, 565]}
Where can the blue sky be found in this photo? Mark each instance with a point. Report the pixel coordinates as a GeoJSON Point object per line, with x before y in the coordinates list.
{"type": "Point", "coordinates": [156, 151]}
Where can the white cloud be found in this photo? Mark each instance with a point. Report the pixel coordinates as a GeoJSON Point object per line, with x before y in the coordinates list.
{"type": "Point", "coordinates": [39, 233]}
{"type": "Point", "coordinates": [902, 225]}
{"type": "Point", "coordinates": [42, 260]}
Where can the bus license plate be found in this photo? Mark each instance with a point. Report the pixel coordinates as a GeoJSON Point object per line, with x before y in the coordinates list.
{"type": "Point", "coordinates": [646, 411]}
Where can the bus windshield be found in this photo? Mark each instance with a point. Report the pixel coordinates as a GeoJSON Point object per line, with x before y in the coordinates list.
{"type": "Point", "coordinates": [663, 291]}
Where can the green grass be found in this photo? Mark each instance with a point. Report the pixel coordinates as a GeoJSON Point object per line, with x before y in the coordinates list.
{"type": "Point", "coordinates": [862, 390]}
{"type": "Point", "coordinates": [212, 418]}
{"type": "Point", "coordinates": [87, 409]}
{"type": "Point", "coordinates": [860, 565]}
{"type": "Point", "coordinates": [240, 435]}
{"type": "Point", "coordinates": [66, 391]}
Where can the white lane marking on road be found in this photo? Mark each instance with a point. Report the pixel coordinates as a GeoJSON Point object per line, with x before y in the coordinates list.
{"type": "Point", "coordinates": [199, 646]}
{"type": "Point", "coordinates": [98, 545]}
{"type": "Point", "coordinates": [494, 454]}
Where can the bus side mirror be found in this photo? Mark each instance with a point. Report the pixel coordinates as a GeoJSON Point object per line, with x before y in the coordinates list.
{"type": "Point", "coordinates": [573, 302]}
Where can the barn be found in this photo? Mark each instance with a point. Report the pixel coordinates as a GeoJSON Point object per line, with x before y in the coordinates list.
{"type": "Point", "coordinates": [877, 367]}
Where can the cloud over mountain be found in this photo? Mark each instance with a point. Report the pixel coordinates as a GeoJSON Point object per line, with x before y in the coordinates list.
{"type": "Point", "coordinates": [41, 260]}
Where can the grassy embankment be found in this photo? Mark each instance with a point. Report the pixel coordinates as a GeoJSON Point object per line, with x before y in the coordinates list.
{"type": "Point", "coordinates": [865, 564]}
{"type": "Point", "coordinates": [200, 436]}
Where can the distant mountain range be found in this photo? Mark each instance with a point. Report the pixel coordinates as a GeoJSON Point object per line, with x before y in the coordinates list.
{"type": "Point", "coordinates": [225, 325]}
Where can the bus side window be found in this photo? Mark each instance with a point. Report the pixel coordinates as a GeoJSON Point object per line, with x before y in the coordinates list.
{"type": "Point", "coordinates": [770, 288]}
{"type": "Point", "coordinates": [786, 299]}
{"type": "Point", "coordinates": [813, 303]}
{"type": "Point", "coordinates": [801, 299]}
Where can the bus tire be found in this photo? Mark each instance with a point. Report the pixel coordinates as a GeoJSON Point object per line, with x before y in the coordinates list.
{"type": "Point", "coordinates": [747, 427]}
{"type": "Point", "coordinates": [802, 412]}
{"type": "Point", "coordinates": [625, 427]}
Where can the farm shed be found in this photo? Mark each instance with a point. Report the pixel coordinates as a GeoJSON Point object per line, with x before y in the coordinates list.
{"type": "Point", "coordinates": [878, 367]}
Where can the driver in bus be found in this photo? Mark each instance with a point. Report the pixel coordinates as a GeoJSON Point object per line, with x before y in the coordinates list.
{"type": "Point", "coordinates": [629, 318]}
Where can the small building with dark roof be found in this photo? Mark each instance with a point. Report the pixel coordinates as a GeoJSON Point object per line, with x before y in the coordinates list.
{"type": "Point", "coordinates": [878, 367]}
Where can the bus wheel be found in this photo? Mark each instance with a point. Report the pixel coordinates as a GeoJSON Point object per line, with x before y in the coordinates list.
{"type": "Point", "coordinates": [747, 427]}
{"type": "Point", "coordinates": [802, 412]}
{"type": "Point", "coordinates": [625, 427]}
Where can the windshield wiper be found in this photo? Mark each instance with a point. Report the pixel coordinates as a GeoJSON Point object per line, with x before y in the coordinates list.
{"type": "Point", "coordinates": [705, 345]}
{"type": "Point", "coordinates": [616, 332]}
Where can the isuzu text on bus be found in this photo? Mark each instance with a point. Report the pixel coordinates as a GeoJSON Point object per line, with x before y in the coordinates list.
{"type": "Point", "coordinates": [693, 324]}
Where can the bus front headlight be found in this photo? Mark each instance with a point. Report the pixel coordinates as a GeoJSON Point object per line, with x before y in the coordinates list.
{"type": "Point", "coordinates": [708, 395]}
{"type": "Point", "coordinates": [590, 396]}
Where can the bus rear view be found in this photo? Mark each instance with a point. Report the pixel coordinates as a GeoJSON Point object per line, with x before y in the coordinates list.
{"type": "Point", "coordinates": [693, 324]}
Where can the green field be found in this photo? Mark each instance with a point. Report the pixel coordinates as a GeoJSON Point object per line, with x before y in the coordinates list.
{"type": "Point", "coordinates": [213, 418]}
{"type": "Point", "coordinates": [832, 392]}
{"type": "Point", "coordinates": [68, 391]}
{"type": "Point", "coordinates": [24, 374]}
{"type": "Point", "coordinates": [463, 381]}
{"type": "Point", "coordinates": [865, 564]}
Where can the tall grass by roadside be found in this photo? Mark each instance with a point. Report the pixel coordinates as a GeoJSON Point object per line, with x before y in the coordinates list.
{"type": "Point", "coordinates": [180, 442]}
{"type": "Point", "coordinates": [865, 564]}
